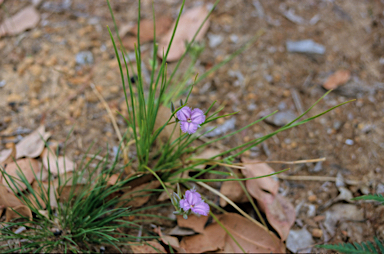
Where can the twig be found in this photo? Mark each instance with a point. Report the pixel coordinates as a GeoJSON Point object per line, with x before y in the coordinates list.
{"type": "Point", "coordinates": [316, 178]}
{"type": "Point", "coordinates": [282, 162]}
{"type": "Point", "coordinates": [128, 170]}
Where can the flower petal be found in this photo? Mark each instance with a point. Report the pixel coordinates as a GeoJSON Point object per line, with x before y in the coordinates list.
{"type": "Point", "coordinates": [189, 128]}
{"type": "Point", "coordinates": [184, 113]}
{"type": "Point", "coordinates": [184, 205]}
{"type": "Point", "coordinates": [197, 116]}
{"type": "Point", "coordinates": [201, 208]}
{"type": "Point", "coordinates": [192, 197]}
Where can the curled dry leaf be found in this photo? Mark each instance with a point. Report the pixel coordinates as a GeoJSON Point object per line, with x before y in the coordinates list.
{"type": "Point", "coordinates": [13, 213]}
{"type": "Point", "coordinates": [147, 247]}
{"type": "Point", "coordinates": [138, 196]}
{"type": "Point", "coordinates": [252, 237]}
{"type": "Point", "coordinates": [25, 19]}
{"type": "Point", "coordinates": [7, 198]}
{"type": "Point", "coordinates": [280, 214]}
{"type": "Point", "coordinates": [7, 155]}
{"type": "Point", "coordinates": [170, 240]}
{"type": "Point", "coordinates": [233, 191]}
{"type": "Point", "coordinates": [28, 167]}
{"type": "Point", "coordinates": [32, 145]}
{"type": "Point", "coordinates": [337, 79]}
{"type": "Point", "coordinates": [193, 222]}
{"type": "Point", "coordinates": [279, 211]}
{"type": "Point", "coordinates": [212, 239]}
{"type": "Point", "coordinates": [257, 187]}
{"type": "Point", "coordinates": [189, 23]}
{"type": "Point", "coordinates": [56, 164]}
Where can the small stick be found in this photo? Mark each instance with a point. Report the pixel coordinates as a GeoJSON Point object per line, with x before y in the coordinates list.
{"type": "Point", "coordinates": [282, 162]}
{"type": "Point", "coordinates": [315, 178]}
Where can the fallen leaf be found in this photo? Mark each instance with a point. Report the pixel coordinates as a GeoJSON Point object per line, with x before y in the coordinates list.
{"type": "Point", "coordinates": [193, 222]}
{"type": "Point", "coordinates": [32, 145]}
{"type": "Point", "coordinates": [7, 198]}
{"type": "Point", "coordinates": [257, 187]}
{"type": "Point", "coordinates": [189, 23]}
{"type": "Point", "coordinates": [56, 164]}
{"type": "Point", "coordinates": [170, 240]}
{"type": "Point", "coordinates": [164, 195]}
{"type": "Point", "coordinates": [139, 195]}
{"type": "Point", "coordinates": [252, 237]}
{"type": "Point", "coordinates": [7, 155]}
{"type": "Point", "coordinates": [147, 247]}
{"type": "Point", "coordinates": [112, 179]}
{"type": "Point", "coordinates": [337, 79]}
{"type": "Point", "coordinates": [211, 240]}
{"type": "Point", "coordinates": [25, 19]}
{"type": "Point", "coordinates": [146, 31]}
{"type": "Point", "coordinates": [233, 191]}
{"type": "Point", "coordinates": [28, 167]}
{"type": "Point", "coordinates": [279, 211]}
{"type": "Point", "coordinates": [181, 231]}
{"type": "Point", "coordinates": [13, 213]}
{"type": "Point", "coordinates": [280, 214]}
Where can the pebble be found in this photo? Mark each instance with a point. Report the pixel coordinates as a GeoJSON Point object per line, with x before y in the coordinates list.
{"type": "Point", "coordinates": [319, 218]}
{"type": "Point", "coordinates": [316, 232]}
{"type": "Point", "coordinates": [305, 46]}
{"type": "Point", "coordinates": [84, 57]}
{"type": "Point", "coordinates": [349, 142]}
{"type": "Point", "coordinates": [215, 40]}
{"type": "Point", "coordinates": [312, 198]}
{"type": "Point", "coordinates": [281, 118]}
{"type": "Point", "coordinates": [36, 70]}
{"type": "Point", "coordinates": [14, 97]}
{"type": "Point", "coordinates": [234, 38]}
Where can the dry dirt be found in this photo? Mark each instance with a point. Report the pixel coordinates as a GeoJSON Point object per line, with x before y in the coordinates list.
{"type": "Point", "coordinates": [43, 84]}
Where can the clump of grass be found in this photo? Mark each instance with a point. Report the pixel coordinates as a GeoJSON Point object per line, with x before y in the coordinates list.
{"type": "Point", "coordinates": [87, 213]}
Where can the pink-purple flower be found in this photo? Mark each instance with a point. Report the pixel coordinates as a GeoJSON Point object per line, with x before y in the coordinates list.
{"type": "Point", "coordinates": [190, 119]}
{"type": "Point", "coordinates": [192, 200]}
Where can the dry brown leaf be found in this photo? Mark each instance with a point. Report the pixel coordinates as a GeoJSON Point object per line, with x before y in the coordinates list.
{"type": "Point", "coordinates": [112, 179]}
{"type": "Point", "coordinates": [57, 165]}
{"type": "Point", "coordinates": [12, 213]}
{"type": "Point", "coordinates": [193, 222]}
{"type": "Point", "coordinates": [189, 23]}
{"type": "Point", "coordinates": [251, 237]}
{"type": "Point", "coordinates": [7, 198]}
{"type": "Point", "coordinates": [145, 248]}
{"type": "Point", "coordinates": [170, 240]}
{"type": "Point", "coordinates": [163, 115]}
{"type": "Point", "coordinates": [337, 79]}
{"type": "Point", "coordinates": [29, 167]}
{"type": "Point", "coordinates": [138, 196]}
{"type": "Point", "coordinates": [233, 191]}
{"type": "Point", "coordinates": [257, 187]}
{"type": "Point", "coordinates": [279, 211]}
{"type": "Point", "coordinates": [211, 240]}
{"type": "Point", "coordinates": [7, 155]}
{"type": "Point", "coordinates": [32, 145]}
{"type": "Point", "coordinates": [25, 19]}
{"type": "Point", "coordinates": [280, 214]}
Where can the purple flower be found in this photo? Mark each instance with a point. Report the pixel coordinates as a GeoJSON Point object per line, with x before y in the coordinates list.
{"type": "Point", "coordinates": [190, 120]}
{"type": "Point", "coordinates": [192, 200]}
